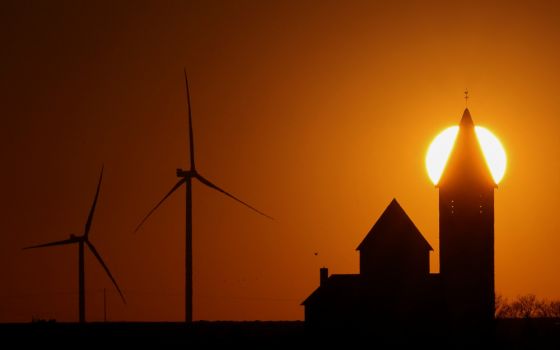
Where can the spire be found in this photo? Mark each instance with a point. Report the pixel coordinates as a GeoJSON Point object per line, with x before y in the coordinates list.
{"type": "Point", "coordinates": [466, 120]}
{"type": "Point", "coordinates": [466, 161]}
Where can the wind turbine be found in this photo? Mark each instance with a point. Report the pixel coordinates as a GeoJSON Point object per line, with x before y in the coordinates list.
{"type": "Point", "coordinates": [186, 177]}
{"type": "Point", "coordinates": [82, 241]}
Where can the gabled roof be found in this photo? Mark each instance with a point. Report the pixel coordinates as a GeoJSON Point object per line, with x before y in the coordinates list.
{"type": "Point", "coordinates": [466, 161]}
{"type": "Point", "coordinates": [394, 219]}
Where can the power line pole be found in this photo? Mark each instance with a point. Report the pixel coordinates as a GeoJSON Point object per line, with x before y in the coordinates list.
{"type": "Point", "coordinates": [104, 305]}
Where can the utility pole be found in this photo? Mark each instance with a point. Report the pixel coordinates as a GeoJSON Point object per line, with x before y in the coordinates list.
{"type": "Point", "coordinates": [104, 305]}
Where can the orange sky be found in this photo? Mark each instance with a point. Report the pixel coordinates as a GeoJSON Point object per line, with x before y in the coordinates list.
{"type": "Point", "coordinates": [316, 113]}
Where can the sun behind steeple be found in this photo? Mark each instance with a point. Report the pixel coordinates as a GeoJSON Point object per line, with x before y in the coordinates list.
{"type": "Point", "coordinates": [466, 163]}
{"type": "Point", "coordinates": [484, 146]}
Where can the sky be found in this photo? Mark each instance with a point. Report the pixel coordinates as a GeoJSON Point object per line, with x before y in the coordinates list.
{"type": "Point", "coordinates": [318, 113]}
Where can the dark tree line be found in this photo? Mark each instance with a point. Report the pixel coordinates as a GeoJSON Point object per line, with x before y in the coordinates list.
{"type": "Point", "coordinates": [527, 306]}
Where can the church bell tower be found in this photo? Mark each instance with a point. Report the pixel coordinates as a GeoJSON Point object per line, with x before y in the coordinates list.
{"type": "Point", "coordinates": [466, 223]}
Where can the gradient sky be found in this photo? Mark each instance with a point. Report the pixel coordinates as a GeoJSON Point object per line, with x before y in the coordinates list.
{"type": "Point", "coordinates": [316, 112]}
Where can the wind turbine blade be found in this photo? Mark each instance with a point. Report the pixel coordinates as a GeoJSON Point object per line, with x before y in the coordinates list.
{"type": "Point", "coordinates": [94, 251]}
{"type": "Point", "coordinates": [177, 185]}
{"type": "Point", "coordinates": [211, 185]}
{"type": "Point", "coordinates": [64, 242]}
{"type": "Point", "coordinates": [191, 138]}
{"type": "Point", "coordinates": [92, 210]}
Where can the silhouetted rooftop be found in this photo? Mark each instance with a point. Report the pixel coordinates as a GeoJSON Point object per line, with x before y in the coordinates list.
{"type": "Point", "coordinates": [394, 220]}
{"type": "Point", "coordinates": [340, 285]}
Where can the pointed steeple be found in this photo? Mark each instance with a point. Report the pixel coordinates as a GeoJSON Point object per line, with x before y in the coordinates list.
{"type": "Point", "coordinates": [466, 163]}
{"type": "Point", "coordinates": [466, 234]}
{"type": "Point", "coordinates": [466, 120]}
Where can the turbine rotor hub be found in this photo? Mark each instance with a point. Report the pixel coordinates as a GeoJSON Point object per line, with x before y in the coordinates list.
{"type": "Point", "coordinates": [183, 173]}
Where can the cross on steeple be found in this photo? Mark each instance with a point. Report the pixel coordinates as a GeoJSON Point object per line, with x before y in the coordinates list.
{"type": "Point", "coordinates": [466, 96]}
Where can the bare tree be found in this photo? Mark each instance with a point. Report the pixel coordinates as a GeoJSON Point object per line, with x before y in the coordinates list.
{"type": "Point", "coordinates": [555, 308]}
{"type": "Point", "coordinates": [526, 306]}
{"type": "Point", "coordinates": [502, 307]}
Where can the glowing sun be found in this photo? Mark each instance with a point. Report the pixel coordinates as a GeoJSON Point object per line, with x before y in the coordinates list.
{"type": "Point", "coordinates": [441, 148]}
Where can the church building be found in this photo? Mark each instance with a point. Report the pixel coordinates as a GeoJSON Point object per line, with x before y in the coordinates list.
{"type": "Point", "coordinates": [394, 283]}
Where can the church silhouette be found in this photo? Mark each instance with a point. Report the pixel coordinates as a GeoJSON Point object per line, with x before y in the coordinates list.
{"type": "Point", "coordinates": [395, 286]}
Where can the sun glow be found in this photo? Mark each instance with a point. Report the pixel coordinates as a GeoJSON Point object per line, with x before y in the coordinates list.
{"type": "Point", "coordinates": [441, 148]}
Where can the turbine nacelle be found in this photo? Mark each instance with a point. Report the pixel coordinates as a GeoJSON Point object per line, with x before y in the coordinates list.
{"type": "Point", "coordinates": [184, 173]}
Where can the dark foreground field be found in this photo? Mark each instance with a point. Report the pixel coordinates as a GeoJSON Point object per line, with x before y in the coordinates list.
{"type": "Point", "coordinates": [509, 333]}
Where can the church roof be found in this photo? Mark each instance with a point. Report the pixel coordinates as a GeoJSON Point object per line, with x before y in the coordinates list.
{"type": "Point", "coordinates": [339, 286]}
{"type": "Point", "coordinates": [394, 220]}
{"type": "Point", "coordinates": [466, 161]}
